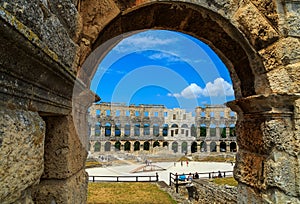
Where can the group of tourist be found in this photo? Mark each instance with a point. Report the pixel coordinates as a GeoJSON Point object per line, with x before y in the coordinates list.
{"type": "Point", "coordinates": [189, 178]}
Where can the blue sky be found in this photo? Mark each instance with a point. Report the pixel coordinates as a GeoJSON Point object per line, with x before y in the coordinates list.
{"type": "Point", "coordinates": [163, 67]}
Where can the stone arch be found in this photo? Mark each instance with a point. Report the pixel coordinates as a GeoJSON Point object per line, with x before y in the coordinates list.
{"type": "Point", "coordinates": [165, 144]}
{"type": "Point", "coordinates": [146, 129]}
{"type": "Point", "coordinates": [107, 129]}
{"type": "Point", "coordinates": [174, 129]}
{"type": "Point", "coordinates": [127, 146]}
{"type": "Point", "coordinates": [194, 147]}
{"type": "Point", "coordinates": [97, 147]}
{"type": "Point", "coordinates": [230, 45]}
{"type": "Point", "coordinates": [146, 146]}
{"type": "Point", "coordinates": [175, 147]}
{"type": "Point", "coordinates": [136, 146]}
{"type": "Point", "coordinates": [165, 129]}
{"type": "Point", "coordinates": [202, 130]}
{"type": "Point", "coordinates": [97, 129]}
{"type": "Point", "coordinates": [223, 27]}
{"type": "Point", "coordinates": [223, 147]}
{"type": "Point", "coordinates": [222, 130]}
{"type": "Point", "coordinates": [203, 146]}
{"type": "Point", "coordinates": [137, 129]}
{"type": "Point", "coordinates": [156, 144]}
{"type": "Point", "coordinates": [213, 147]}
{"type": "Point", "coordinates": [117, 129]}
{"type": "Point", "coordinates": [117, 146]}
{"type": "Point", "coordinates": [127, 130]}
{"type": "Point", "coordinates": [212, 130]}
{"type": "Point", "coordinates": [233, 147]}
{"type": "Point", "coordinates": [155, 130]}
{"type": "Point", "coordinates": [107, 146]}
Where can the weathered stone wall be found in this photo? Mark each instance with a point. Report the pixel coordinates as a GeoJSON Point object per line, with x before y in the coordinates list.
{"type": "Point", "coordinates": [212, 193]}
{"type": "Point", "coordinates": [208, 193]}
{"type": "Point", "coordinates": [22, 136]}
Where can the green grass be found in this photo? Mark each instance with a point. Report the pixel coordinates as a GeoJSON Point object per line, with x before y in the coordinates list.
{"type": "Point", "coordinates": [225, 181]}
{"type": "Point", "coordinates": [127, 192]}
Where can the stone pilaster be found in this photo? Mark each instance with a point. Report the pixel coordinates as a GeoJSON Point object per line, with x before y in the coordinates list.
{"type": "Point", "coordinates": [267, 164]}
{"type": "Point", "coordinates": [64, 164]}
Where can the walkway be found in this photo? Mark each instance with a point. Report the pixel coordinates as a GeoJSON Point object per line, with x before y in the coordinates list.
{"type": "Point", "coordinates": [163, 175]}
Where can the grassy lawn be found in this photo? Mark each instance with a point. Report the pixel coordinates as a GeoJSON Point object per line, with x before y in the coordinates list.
{"type": "Point", "coordinates": [225, 181]}
{"type": "Point", "coordinates": [127, 192]}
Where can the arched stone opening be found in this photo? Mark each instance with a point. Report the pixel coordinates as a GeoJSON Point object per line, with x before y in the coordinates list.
{"type": "Point", "coordinates": [146, 129]}
{"type": "Point", "coordinates": [127, 130]}
{"type": "Point", "coordinates": [107, 146]}
{"type": "Point", "coordinates": [156, 130]}
{"type": "Point", "coordinates": [165, 130]}
{"type": "Point", "coordinates": [165, 144]}
{"type": "Point", "coordinates": [174, 130]}
{"type": "Point", "coordinates": [203, 146]}
{"type": "Point", "coordinates": [175, 147]}
{"type": "Point", "coordinates": [194, 147]}
{"type": "Point", "coordinates": [193, 130]}
{"type": "Point", "coordinates": [137, 129]}
{"type": "Point", "coordinates": [97, 129]}
{"type": "Point", "coordinates": [202, 130]}
{"type": "Point", "coordinates": [223, 130]}
{"type": "Point", "coordinates": [213, 147]}
{"type": "Point", "coordinates": [223, 147]}
{"type": "Point", "coordinates": [118, 146]}
{"type": "Point", "coordinates": [146, 146]}
{"type": "Point", "coordinates": [107, 130]}
{"type": "Point", "coordinates": [233, 147]}
{"type": "Point", "coordinates": [136, 146]}
{"type": "Point", "coordinates": [156, 144]}
{"type": "Point", "coordinates": [97, 147]}
{"type": "Point", "coordinates": [118, 130]}
{"type": "Point", "coordinates": [127, 146]}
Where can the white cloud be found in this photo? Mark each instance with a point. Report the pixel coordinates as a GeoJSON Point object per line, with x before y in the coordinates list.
{"type": "Point", "coordinates": [166, 56]}
{"type": "Point", "coordinates": [219, 87]}
{"type": "Point", "coordinates": [190, 92]}
{"type": "Point", "coordinates": [141, 41]}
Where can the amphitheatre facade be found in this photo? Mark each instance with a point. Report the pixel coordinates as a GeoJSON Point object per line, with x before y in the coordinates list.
{"type": "Point", "coordinates": [116, 127]}
{"type": "Point", "coordinates": [50, 50]}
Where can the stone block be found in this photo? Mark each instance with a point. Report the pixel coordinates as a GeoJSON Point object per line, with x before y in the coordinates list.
{"type": "Point", "coordinates": [291, 22]}
{"type": "Point", "coordinates": [278, 133]}
{"type": "Point", "coordinates": [282, 172]}
{"type": "Point", "coordinates": [64, 153]}
{"type": "Point", "coordinates": [280, 81]}
{"type": "Point", "coordinates": [268, 8]}
{"type": "Point", "coordinates": [96, 17]}
{"type": "Point", "coordinates": [255, 26]}
{"type": "Point", "coordinates": [68, 15]}
{"type": "Point", "coordinates": [245, 194]}
{"type": "Point", "coordinates": [37, 17]}
{"type": "Point", "coordinates": [22, 136]}
{"type": "Point", "coordinates": [64, 191]}
{"type": "Point", "coordinates": [249, 169]}
{"type": "Point", "coordinates": [284, 52]}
